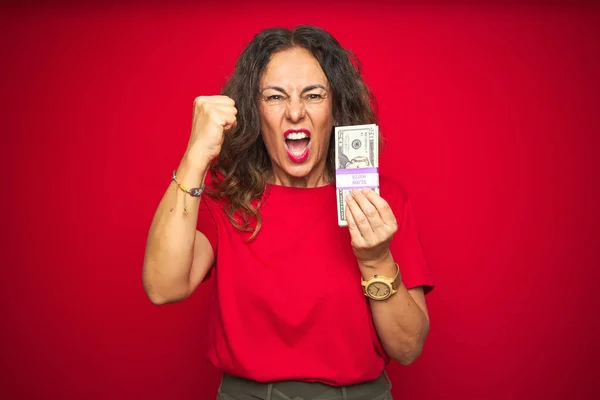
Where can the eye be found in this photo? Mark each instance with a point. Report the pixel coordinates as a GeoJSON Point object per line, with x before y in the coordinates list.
{"type": "Point", "coordinates": [275, 97]}
{"type": "Point", "coordinates": [314, 96]}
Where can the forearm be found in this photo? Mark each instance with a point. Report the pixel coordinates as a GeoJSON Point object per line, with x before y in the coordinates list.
{"type": "Point", "coordinates": [170, 245]}
{"type": "Point", "coordinates": [401, 324]}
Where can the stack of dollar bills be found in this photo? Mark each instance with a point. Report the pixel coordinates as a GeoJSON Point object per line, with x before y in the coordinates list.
{"type": "Point", "coordinates": [356, 162]}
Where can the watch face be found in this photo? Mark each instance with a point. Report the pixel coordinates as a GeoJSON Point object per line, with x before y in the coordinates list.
{"type": "Point", "coordinates": [378, 290]}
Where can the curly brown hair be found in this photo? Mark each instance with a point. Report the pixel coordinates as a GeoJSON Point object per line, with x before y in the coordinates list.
{"type": "Point", "coordinates": [243, 168]}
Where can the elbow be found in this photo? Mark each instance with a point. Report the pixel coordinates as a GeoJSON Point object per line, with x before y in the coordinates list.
{"type": "Point", "coordinates": [408, 351]}
{"type": "Point", "coordinates": [408, 356]}
{"type": "Point", "coordinates": [158, 300]}
{"type": "Point", "coordinates": [158, 296]}
{"type": "Point", "coordinates": [154, 297]}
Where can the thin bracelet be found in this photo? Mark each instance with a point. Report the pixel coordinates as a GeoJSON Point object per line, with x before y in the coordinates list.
{"type": "Point", "coordinates": [194, 192]}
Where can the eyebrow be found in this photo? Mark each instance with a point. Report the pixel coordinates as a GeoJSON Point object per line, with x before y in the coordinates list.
{"type": "Point", "coordinates": [306, 89]}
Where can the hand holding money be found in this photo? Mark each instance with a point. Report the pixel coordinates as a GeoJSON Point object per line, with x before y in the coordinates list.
{"type": "Point", "coordinates": [370, 219]}
{"type": "Point", "coordinates": [372, 225]}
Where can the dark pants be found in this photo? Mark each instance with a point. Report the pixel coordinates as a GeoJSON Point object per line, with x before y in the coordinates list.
{"type": "Point", "coordinates": [233, 388]}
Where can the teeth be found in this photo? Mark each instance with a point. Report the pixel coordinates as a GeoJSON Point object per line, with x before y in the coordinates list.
{"type": "Point", "coordinates": [296, 136]}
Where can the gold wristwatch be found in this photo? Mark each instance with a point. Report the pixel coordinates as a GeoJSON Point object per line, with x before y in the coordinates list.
{"type": "Point", "coordinates": [381, 287]}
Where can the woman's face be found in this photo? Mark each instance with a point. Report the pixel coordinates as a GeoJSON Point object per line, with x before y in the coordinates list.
{"type": "Point", "coordinates": [296, 116]}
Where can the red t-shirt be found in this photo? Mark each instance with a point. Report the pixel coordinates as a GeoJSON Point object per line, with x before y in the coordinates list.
{"type": "Point", "coordinates": [289, 305]}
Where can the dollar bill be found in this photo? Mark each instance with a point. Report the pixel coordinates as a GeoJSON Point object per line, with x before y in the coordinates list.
{"type": "Point", "coordinates": [356, 162]}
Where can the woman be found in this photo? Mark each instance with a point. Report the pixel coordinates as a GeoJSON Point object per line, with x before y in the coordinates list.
{"type": "Point", "coordinates": [290, 315]}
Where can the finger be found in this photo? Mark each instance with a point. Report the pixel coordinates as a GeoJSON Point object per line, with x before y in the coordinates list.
{"type": "Point", "coordinates": [223, 100]}
{"type": "Point", "coordinates": [204, 101]}
{"type": "Point", "coordinates": [230, 123]}
{"type": "Point", "coordinates": [225, 109]}
{"type": "Point", "coordinates": [226, 117]}
{"type": "Point", "coordinates": [383, 208]}
{"type": "Point", "coordinates": [357, 239]}
{"type": "Point", "coordinates": [368, 208]}
{"type": "Point", "coordinates": [360, 219]}
{"type": "Point", "coordinates": [223, 119]}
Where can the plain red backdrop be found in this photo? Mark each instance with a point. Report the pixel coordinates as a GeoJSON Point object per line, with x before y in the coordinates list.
{"type": "Point", "coordinates": [491, 116]}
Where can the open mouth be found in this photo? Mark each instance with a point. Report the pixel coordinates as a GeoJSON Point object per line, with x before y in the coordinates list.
{"type": "Point", "coordinates": [296, 144]}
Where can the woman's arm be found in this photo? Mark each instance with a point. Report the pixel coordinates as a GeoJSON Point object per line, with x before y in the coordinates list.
{"type": "Point", "coordinates": [177, 256]}
{"type": "Point", "coordinates": [402, 320]}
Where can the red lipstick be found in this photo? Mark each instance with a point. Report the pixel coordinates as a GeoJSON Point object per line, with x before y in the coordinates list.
{"type": "Point", "coordinates": [297, 144]}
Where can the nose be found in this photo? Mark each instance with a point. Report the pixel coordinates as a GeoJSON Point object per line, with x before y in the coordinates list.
{"type": "Point", "coordinates": [295, 110]}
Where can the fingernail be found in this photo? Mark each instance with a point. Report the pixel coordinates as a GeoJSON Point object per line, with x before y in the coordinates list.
{"type": "Point", "coordinates": [349, 197]}
{"type": "Point", "coordinates": [365, 190]}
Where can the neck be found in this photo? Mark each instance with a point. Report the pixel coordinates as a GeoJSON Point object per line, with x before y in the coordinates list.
{"type": "Point", "coordinates": [316, 178]}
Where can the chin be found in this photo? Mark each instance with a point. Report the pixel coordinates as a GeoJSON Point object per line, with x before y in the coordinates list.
{"type": "Point", "coordinates": [298, 170]}
{"type": "Point", "coordinates": [297, 167]}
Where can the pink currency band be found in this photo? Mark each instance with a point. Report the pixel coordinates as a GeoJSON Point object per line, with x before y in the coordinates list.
{"type": "Point", "coordinates": [356, 178]}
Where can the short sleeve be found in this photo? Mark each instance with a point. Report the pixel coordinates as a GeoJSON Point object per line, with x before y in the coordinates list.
{"type": "Point", "coordinates": [406, 246]}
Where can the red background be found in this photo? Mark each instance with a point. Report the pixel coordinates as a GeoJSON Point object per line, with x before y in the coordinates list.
{"type": "Point", "coordinates": [491, 115]}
